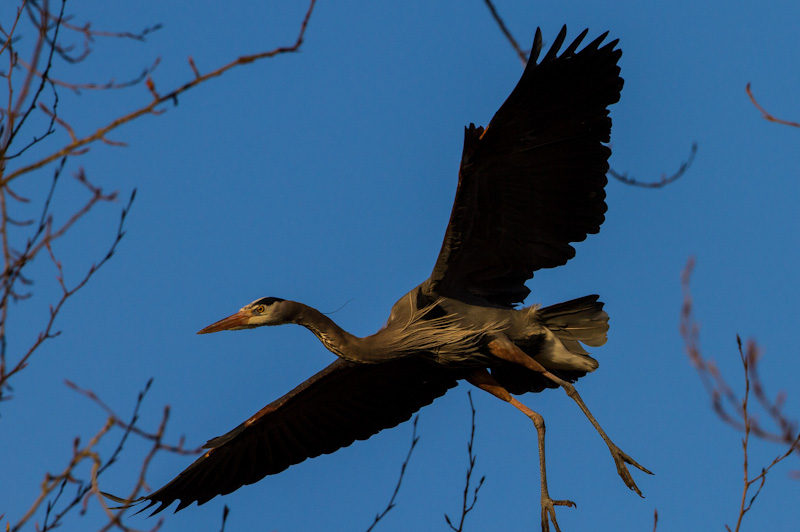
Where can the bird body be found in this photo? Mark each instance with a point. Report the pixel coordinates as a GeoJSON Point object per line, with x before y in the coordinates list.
{"type": "Point", "coordinates": [447, 331]}
{"type": "Point", "coordinates": [530, 183]}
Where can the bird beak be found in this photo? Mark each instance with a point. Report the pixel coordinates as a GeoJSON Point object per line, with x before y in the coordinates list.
{"type": "Point", "coordinates": [235, 321]}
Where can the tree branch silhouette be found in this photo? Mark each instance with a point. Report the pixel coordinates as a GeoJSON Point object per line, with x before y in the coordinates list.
{"type": "Point", "coordinates": [391, 505]}
{"type": "Point", "coordinates": [663, 181]}
{"type": "Point", "coordinates": [467, 505]}
{"type": "Point", "coordinates": [39, 36]}
{"type": "Point", "coordinates": [764, 113]}
{"type": "Point", "coordinates": [736, 410]}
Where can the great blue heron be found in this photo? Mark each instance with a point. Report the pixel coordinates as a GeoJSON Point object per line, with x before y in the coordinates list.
{"type": "Point", "coordinates": [529, 184]}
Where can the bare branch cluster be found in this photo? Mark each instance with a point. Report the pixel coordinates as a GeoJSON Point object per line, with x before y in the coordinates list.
{"type": "Point", "coordinates": [29, 83]}
{"type": "Point", "coordinates": [78, 143]}
{"type": "Point", "coordinates": [736, 410]}
{"type": "Point", "coordinates": [37, 47]}
{"type": "Point", "coordinates": [53, 485]}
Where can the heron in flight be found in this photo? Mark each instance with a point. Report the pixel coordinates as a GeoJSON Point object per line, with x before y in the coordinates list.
{"type": "Point", "coordinates": [530, 183]}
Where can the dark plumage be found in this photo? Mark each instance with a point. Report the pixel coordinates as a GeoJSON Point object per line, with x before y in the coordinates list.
{"type": "Point", "coordinates": [530, 183]}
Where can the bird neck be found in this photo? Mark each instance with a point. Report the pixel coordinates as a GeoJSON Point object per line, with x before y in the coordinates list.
{"type": "Point", "coordinates": [337, 340]}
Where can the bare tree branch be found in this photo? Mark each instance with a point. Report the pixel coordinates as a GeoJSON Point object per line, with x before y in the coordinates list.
{"type": "Point", "coordinates": [414, 441]}
{"type": "Point", "coordinates": [54, 484]}
{"type": "Point", "coordinates": [48, 331]}
{"type": "Point", "coordinates": [151, 108]}
{"type": "Point", "coordinates": [25, 237]}
{"type": "Point", "coordinates": [733, 410]}
{"type": "Point", "coordinates": [502, 25]}
{"type": "Point", "coordinates": [466, 505]}
{"type": "Point", "coordinates": [664, 181]}
{"type": "Point", "coordinates": [764, 114]}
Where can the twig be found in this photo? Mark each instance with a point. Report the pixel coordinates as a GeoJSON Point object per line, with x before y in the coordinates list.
{"type": "Point", "coordinates": [764, 114]}
{"type": "Point", "coordinates": [49, 130]}
{"type": "Point", "coordinates": [115, 517]}
{"type": "Point", "coordinates": [522, 55]}
{"type": "Point", "coordinates": [14, 112]}
{"type": "Point", "coordinates": [466, 506]}
{"type": "Point", "coordinates": [130, 426]}
{"type": "Point", "coordinates": [724, 398]}
{"type": "Point", "coordinates": [53, 482]}
{"type": "Point", "coordinates": [664, 181]}
{"type": "Point", "coordinates": [8, 34]}
{"type": "Point", "coordinates": [26, 79]}
{"type": "Point", "coordinates": [225, 512]}
{"type": "Point", "coordinates": [84, 488]}
{"type": "Point", "coordinates": [151, 108]}
{"type": "Point", "coordinates": [108, 85]}
{"type": "Point", "coordinates": [746, 419]}
{"type": "Point", "coordinates": [748, 360]}
{"type": "Point", "coordinates": [414, 441]}
{"type": "Point", "coordinates": [13, 268]}
{"type": "Point", "coordinates": [48, 332]}
{"type": "Point", "coordinates": [725, 401]}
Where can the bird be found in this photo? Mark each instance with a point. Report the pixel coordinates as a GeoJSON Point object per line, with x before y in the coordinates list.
{"type": "Point", "coordinates": [530, 184]}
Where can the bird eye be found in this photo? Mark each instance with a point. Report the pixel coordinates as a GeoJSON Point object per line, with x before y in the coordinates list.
{"type": "Point", "coordinates": [260, 309]}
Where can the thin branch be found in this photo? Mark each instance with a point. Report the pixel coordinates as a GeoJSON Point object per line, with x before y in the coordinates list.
{"type": "Point", "coordinates": [112, 84]}
{"type": "Point", "coordinates": [466, 506]}
{"type": "Point", "coordinates": [49, 130]}
{"type": "Point", "coordinates": [26, 78]}
{"type": "Point", "coordinates": [29, 79]}
{"type": "Point", "coordinates": [57, 483]}
{"type": "Point", "coordinates": [89, 33]}
{"type": "Point", "coordinates": [13, 270]}
{"type": "Point", "coordinates": [130, 426]}
{"type": "Point", "coordinates": [414, 441]}
{"type": "Point", "coordinates": [52, 482]}
{"type": "Point", "coordinates": [522, 55]}
{"type": "Point", "coordinates": [151, 108]}
{"type": "Point", "coordinates": [764, 114]}
{"type": "Point", "coordinates": [48, 332]}
{"type": "Point", "coordinates": [732, 410]}
{"type": "Point", "coordinates": [7, 35]}
{"type": "Point", "coordinates": [664, 181]}
{"type": "Point", "coordinates": [746, 419]}
{"type": "Point", "coordinates": [225, 512]}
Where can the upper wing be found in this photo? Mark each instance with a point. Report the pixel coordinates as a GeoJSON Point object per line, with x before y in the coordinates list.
{"type": "Point", "coordinates": [532, 182]}
{"type": "Point", "coordinates": [340, 404]}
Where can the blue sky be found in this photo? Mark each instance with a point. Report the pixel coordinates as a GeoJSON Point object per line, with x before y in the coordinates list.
{"type": "Point", "coordinates": [327, 177]}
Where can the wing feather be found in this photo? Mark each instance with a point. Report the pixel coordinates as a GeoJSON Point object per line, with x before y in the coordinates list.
{"type": "Point", "coordinates": [343, 403]}
{"type": "Point", "coordinates": [532, 182]}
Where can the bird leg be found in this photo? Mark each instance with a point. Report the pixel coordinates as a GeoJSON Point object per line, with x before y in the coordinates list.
{"type": "Point", "coordinates": [483, 380]}
{"type": "Point", "coordinates": [506, 350]}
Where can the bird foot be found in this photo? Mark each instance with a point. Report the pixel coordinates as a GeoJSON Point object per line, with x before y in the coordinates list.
{"type": "Point", "coordinates": [549, 511]}
{"type": "Point", "coordinates": [620, 459]}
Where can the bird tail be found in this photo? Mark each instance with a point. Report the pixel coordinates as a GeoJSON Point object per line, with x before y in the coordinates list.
{"type": "Point", "coordinates": [577, 321]}
{"type": "Point", "coordinates": [559, 349]}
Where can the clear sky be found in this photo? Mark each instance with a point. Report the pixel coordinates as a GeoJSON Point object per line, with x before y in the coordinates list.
{"type": "Point", "coordinates": [327, 177]}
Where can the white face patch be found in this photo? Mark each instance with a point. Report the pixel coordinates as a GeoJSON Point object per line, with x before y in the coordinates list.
{"type": "Point", "coordinates": [261, 319]}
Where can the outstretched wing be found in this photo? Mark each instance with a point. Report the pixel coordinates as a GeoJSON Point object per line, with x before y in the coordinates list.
{"type": "Point", "coordinates": [340, 404]}
{"type": "Point", "coordinates": [532, 182]}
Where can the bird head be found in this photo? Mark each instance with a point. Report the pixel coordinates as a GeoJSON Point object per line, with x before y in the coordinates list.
{"type": "Point", "coordinates": [264, 311]}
